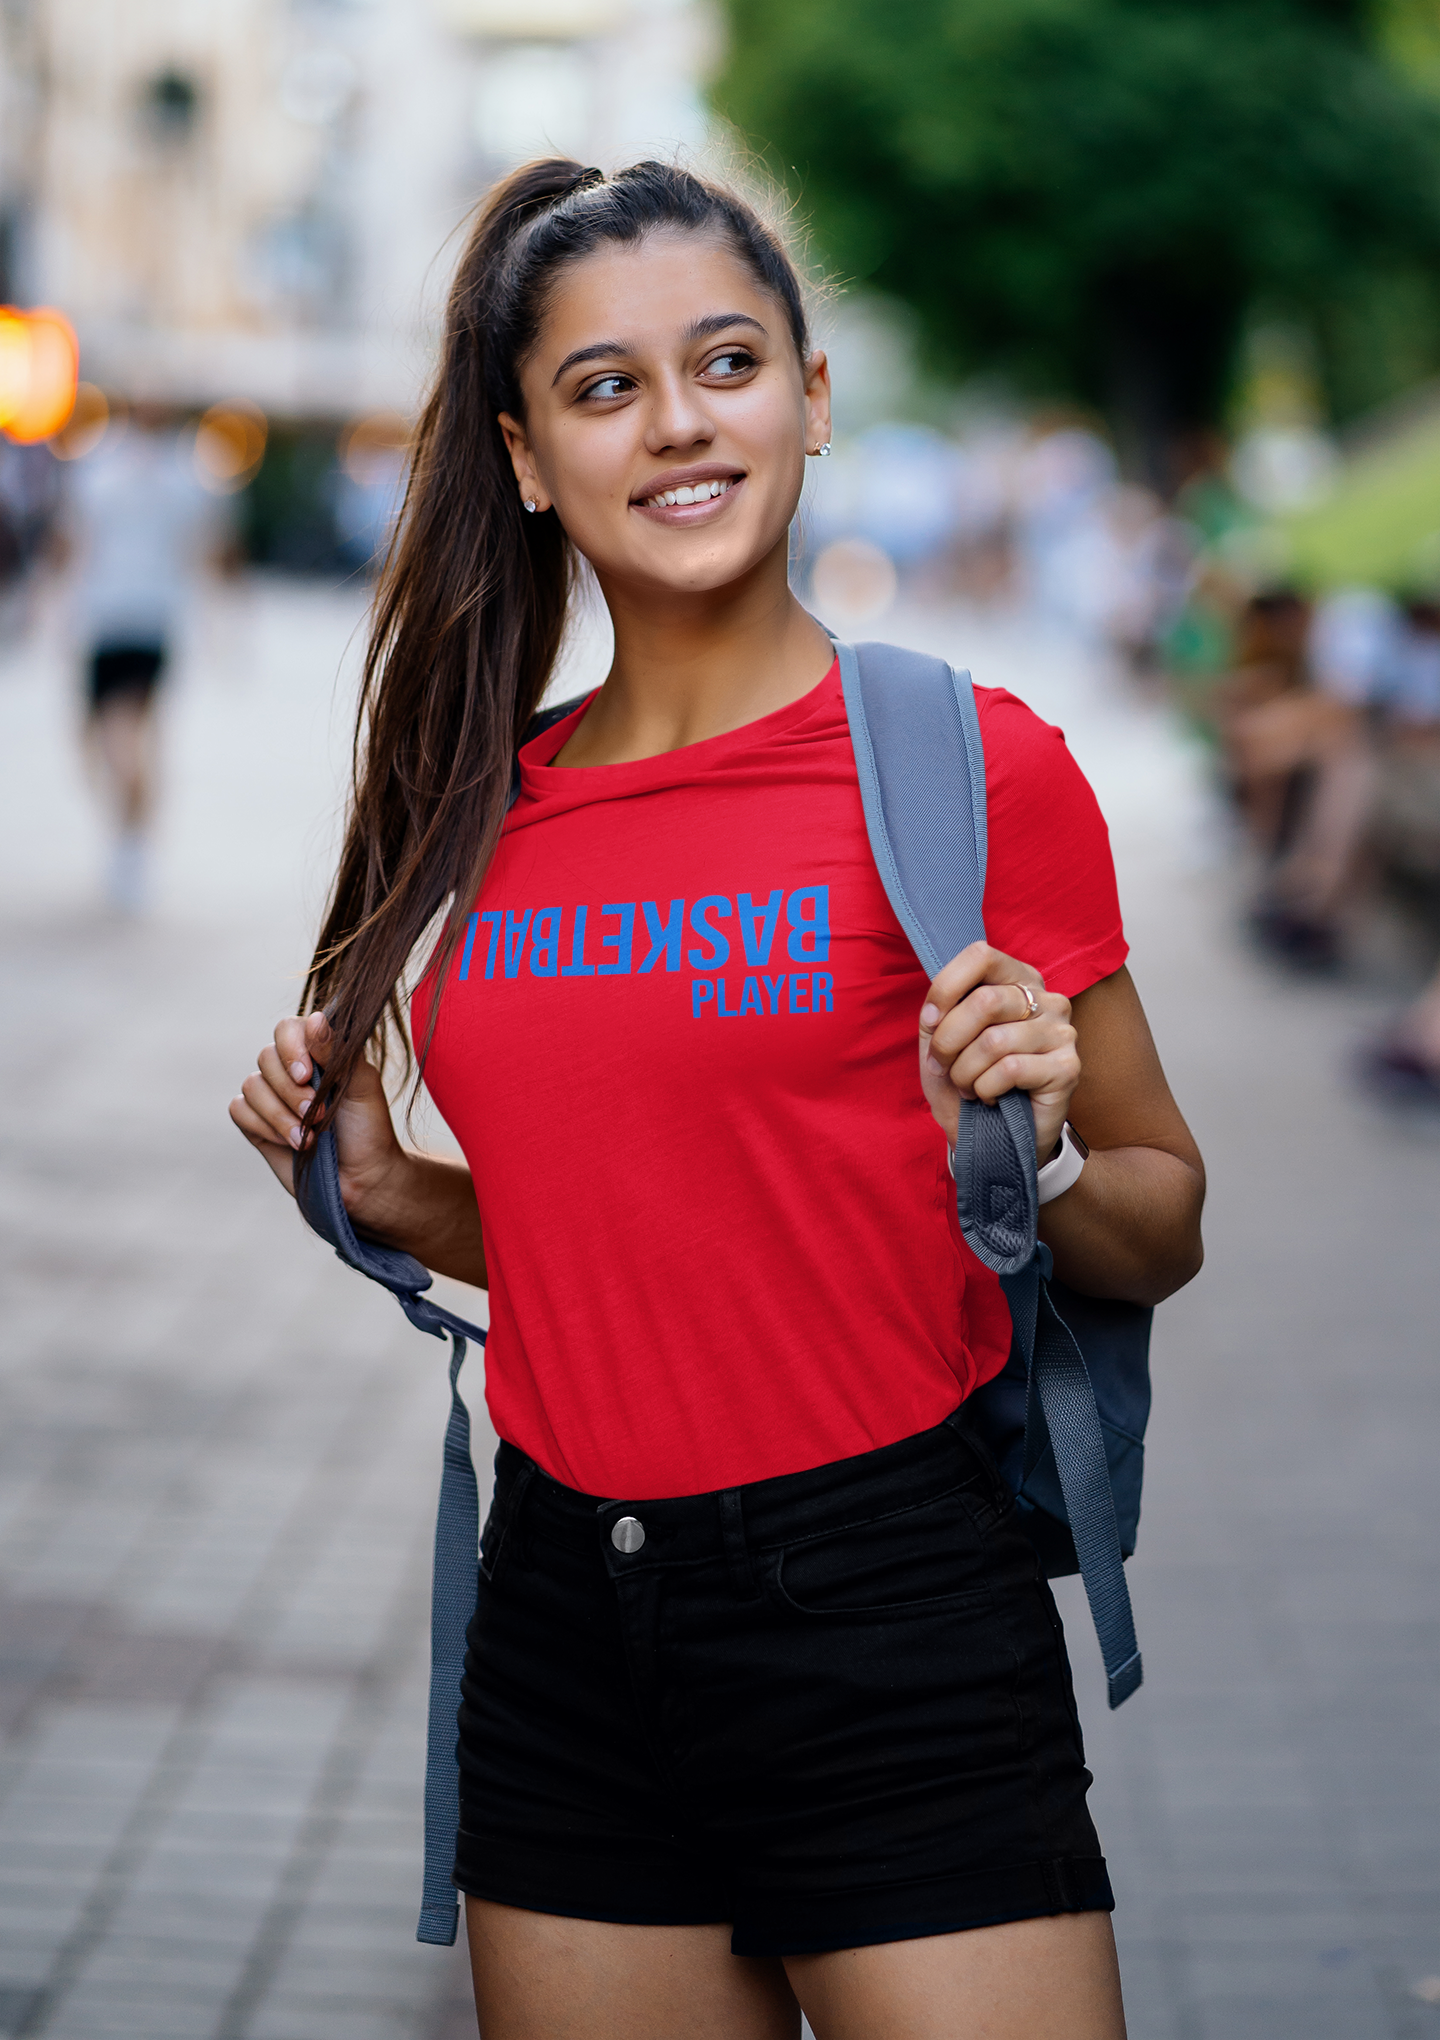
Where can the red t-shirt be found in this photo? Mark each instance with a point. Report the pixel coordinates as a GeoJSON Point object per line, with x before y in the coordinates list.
{"type": "Point", "coordinates": [722, 1252]}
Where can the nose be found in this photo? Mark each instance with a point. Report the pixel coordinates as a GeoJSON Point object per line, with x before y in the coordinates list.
{"type": "Point", "coordinates": [678, 418]}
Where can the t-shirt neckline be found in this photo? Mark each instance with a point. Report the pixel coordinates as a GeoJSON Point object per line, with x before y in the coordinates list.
{"type": "Point", "coordinates": [536, 756]}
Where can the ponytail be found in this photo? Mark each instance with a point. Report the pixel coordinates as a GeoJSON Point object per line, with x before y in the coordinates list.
{"type": "Point", "coordinates": [474, 595]}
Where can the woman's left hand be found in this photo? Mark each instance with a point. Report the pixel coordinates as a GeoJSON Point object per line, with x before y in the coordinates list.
{"type": "Point", "coordinates": [977, 1040]}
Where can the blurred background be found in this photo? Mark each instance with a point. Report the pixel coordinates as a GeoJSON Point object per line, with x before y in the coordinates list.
{"type": "Point", "coordinates": [1134, 313]}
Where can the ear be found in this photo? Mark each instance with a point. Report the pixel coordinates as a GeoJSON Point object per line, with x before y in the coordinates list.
{"type": "Point", "coordinates": [517, 445]}
{"type": "Point", "coordinates": [817, 401]}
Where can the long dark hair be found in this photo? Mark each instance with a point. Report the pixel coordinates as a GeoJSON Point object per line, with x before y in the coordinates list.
{"type": "Point", "coordinates": [474, 596]}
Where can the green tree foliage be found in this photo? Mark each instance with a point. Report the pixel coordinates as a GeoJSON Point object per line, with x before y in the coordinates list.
{"type": "Point", "coordinates": [1095, 193]}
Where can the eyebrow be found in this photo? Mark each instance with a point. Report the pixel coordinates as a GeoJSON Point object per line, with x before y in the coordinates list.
{"type": "Point", "coordinates": [699, 329]}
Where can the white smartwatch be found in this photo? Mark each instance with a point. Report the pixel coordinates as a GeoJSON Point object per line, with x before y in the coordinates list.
{"type": "Point", "coordinates": [1062, 1171]}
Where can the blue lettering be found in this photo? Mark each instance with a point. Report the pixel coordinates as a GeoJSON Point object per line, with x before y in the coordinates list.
{"type": "Point", "coordinates": [821, 986]}
{"type": "Point", "coordinates": [750, 1000]}
{"type": "Point", "coordinates": [725, 1012]}
{"type": "Point", "coordinates": [758, 929]}
{"type": "Point", "coordinates": [813, 927]}
{"type": "Point", "coordinates": [799, 984]}
{"type": "Point", "coordinates": [546, 945]}
{"type": "Point", "coordinates": [701, 992]}
{"type": "Point", "coordinates": [472, 922]}
{"type": "Point", "coordinates": [664, 935]}
{"type": "Point", "coordinates": [577, 966]}
{"type": "Point", "coordinates": [515, 933]}
{"type": "Point", "coordinates": [719, 945]}
{"type": "Point", "coordinates": [493, 917]}
{"type": "Point", "coordinates": [619, 943]}
{"type": "Point", "coordinates": [774, 986]}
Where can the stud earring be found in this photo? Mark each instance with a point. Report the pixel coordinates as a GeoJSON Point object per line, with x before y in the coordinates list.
{"type": "Point", "coordinates": [821, 451]}
{"type": "Point", "coordinates": [530, 505]}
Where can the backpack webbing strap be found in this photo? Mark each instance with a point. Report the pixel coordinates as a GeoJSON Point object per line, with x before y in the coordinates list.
{"type": "Point", "coordinates": [918, 753]}
{"type": "Point", "coordinates": [912, 721]}
{"type": "Point", "coordinates": [1056, 1376]}
{"type": "Point", "coordinates": [452, 1603]}
{"type": "Point", "coordinates": [457, 1525]}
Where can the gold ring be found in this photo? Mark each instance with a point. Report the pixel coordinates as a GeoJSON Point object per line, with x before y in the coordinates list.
{"type": "Point", "coordinates": [1032, 1004]}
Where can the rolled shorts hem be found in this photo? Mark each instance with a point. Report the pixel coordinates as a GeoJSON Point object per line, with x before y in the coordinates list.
{"type": "Point", "coordinates": [823, 1923]}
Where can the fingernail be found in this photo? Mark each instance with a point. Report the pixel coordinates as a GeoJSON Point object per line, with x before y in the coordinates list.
{"type": "Point", "coordinates": [299, 1071]}
{"type": "Point", "coordinates": [932, 1064]}
{"type": "Point", "coordinates": [304, 1106]}
{"type": "Point", "coordinates": [296, 1136]}
{"type": "Point", "coordinates": [929, 1016]}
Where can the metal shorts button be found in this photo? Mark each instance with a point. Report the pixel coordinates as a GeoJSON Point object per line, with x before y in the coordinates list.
{"type": "Point", "coordinates": [628, 1534]}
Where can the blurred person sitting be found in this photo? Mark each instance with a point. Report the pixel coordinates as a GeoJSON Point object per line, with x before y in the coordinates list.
{"type": "Point", "coordinates": [139, 522]}
{"type": "Point", "coordinates": [1301, 771]}
{"type": "Point", "coordinates": [1406, 823]}
{"type": "Point", "coordinates": [1405, 831]}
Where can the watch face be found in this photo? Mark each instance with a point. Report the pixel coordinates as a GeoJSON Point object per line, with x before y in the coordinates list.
{"type": "Point", "coordinates": [1080, 1148]}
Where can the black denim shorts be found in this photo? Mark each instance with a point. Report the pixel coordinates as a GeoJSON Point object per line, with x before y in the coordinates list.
{"type": "Point", "coordinates": [832, 1709]}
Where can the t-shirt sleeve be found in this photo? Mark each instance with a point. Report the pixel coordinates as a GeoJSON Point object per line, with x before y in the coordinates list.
{"type": "Point", "coordinates": [1050, 895]}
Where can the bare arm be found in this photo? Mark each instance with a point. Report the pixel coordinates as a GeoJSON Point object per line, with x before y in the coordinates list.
{"type": "Point", "coordinates": [1130, 1227]}
{"type": "Point", "coordinates": [424, 1204]}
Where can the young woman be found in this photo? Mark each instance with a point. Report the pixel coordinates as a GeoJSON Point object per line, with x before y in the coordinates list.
{"type": "Point", "coordinates": [766, 1705]}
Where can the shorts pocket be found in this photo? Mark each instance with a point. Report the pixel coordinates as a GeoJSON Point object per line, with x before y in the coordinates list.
{"type": "Point", "coordinates": [498, 1538]}
{"type": "Point", "coordinates": [929, 1556]}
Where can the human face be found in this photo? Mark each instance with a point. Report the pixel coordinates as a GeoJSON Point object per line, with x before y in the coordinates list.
{"type": "Point", "coordinates": [663, 366]}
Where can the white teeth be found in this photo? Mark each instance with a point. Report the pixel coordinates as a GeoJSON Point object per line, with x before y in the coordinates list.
{"type": "Point", "coordinates": [701, 493]}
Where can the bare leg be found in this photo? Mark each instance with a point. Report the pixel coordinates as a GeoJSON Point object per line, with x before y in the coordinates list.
{"type": "Point", "coordinates": [1046, 1979]}
{"type": "Point", "coordinates": [540, 1977]}
{"type": "Point", "coordinates": [122, 730]}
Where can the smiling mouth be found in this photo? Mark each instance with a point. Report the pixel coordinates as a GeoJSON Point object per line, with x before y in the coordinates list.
{"type": "Point", "coordinates": [684, 496]}
{"type": "Point", "coordinates": [702, 492]}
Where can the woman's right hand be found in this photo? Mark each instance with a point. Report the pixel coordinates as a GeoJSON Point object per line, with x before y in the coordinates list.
{"type": "Point", "coordinates": [274, 1100]}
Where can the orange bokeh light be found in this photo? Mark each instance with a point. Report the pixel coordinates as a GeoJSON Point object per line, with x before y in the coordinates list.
{"type": "Point", "coordinates": [39, 369]}
{"type": "Point", "coordinates": [230, 445]}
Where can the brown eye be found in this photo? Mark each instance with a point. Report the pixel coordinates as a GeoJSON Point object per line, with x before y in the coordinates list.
{"type": "Point", "coordinates": [608, 386]}
{"type": "Point", "coordinates": [735, 361]}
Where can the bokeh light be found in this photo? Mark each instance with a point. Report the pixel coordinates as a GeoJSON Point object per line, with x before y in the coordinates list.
{"type": "Point", "coordinates": [230, 445]}
{"type": "Point", "coordinates": [854, 579]}
{"type": "Point", "coordinates": [39, 371]}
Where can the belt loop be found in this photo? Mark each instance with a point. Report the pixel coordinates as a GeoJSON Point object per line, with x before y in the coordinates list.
{"type": "Point", "coordinates": [737, 1551]}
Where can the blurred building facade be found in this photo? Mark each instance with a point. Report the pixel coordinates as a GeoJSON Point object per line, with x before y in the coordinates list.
{"type": "Point", "coordinates": [252, 198]}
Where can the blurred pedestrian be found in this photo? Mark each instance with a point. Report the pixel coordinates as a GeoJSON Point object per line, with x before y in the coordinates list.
{"type": "Point", "coordinates": [141, 525]}
{"type": "Point", "coordinates": [809, 1739]}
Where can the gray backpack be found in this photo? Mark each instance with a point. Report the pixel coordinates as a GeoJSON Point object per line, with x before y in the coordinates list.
{"type": "Point", "coordinates": [1065, 1419]}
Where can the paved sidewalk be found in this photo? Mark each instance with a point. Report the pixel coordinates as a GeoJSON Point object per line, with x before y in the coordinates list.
{"type": "Point", "coordinates": [219, 1450]}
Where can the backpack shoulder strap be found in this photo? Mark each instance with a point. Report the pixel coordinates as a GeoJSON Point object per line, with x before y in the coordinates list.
{"type": "Point", "coordinates": [918, 754]}
{"type": "Point", "coordinates": [921, 768]}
